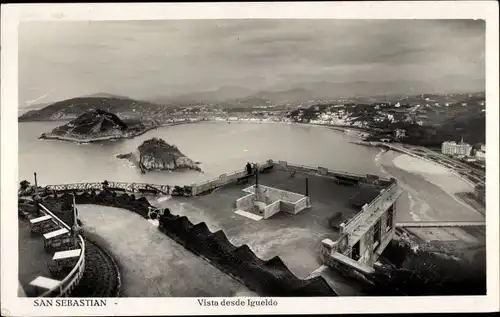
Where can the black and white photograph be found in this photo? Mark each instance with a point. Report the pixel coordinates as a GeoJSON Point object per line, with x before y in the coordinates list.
{"type": "Point", "coordinates": [238, 161]}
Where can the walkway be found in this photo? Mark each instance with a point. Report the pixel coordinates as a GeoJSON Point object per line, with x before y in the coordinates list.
{"type": "Point", "coordinates": [153, 265]}
{"type": "Point", "coordinates": [33, 259]}
{"type": "Point", "coordinates": [436, 224]}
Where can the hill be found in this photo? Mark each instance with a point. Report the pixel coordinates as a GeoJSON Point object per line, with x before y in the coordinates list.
{"type": "Point", "coordinates": [157, 155]}
{"type": "Point", "coordinates": [72, 108]}
{"type": "Point", "coordinates": [97, 125]}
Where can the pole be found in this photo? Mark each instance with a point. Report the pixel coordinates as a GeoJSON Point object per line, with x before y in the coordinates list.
{"type": "Point", "coordinates": [307, 186]}
{"type": "Point", "coordinates": [75, 214]}
{"type": "Point", "coordinates": [256, 176]}
{"type": "Point", "coordinates": [36, 182]}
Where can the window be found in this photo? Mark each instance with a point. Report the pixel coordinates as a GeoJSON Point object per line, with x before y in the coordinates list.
{"type": "Point", "coordinates": [355, 252]}
{"type": "Point", "coordinates": [390, 215]}
{"type": "Point", "coordinates": [376, 233]}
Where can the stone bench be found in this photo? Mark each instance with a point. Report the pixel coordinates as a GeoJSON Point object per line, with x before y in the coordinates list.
{"type": "Point", "coordinates": [243, 179]}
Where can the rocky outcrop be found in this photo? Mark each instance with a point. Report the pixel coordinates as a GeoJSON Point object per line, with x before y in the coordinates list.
{"type": "Point", "coordinates": [157, 155]}
{"type": "Point", "coordinates": [97, 125]}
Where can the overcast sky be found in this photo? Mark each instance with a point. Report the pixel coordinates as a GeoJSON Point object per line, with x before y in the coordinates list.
{"type": "Point", "coordinates": [147, 59]}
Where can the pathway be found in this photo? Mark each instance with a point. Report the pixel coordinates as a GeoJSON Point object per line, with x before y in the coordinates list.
{"type": "Point", "coordinates": [153, 265]}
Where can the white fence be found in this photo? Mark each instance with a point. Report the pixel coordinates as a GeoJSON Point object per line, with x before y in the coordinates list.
{"type": "Point", "coordinates": [73, 278]}
{"type": "Point", "coordinates": [367, 209]}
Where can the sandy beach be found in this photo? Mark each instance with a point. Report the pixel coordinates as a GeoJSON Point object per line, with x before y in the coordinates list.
{"type": "Point", "coordinates": [429, 194]}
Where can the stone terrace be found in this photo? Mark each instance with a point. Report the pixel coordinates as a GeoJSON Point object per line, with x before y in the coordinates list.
{"type": "Point", "coordinates": [295, 238]}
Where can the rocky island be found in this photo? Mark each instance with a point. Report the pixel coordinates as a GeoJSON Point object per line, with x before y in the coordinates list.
{"type": "Point", "coordinates": [157, 155]}
{"type": "Point", "coordinates": [97, 125]}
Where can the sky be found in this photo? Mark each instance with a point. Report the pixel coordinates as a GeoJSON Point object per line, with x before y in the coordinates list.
{"type": "Point", "coordinates": [151, 59]}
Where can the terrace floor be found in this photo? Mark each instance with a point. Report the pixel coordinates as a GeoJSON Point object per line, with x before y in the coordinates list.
{"type": "Point", "coordinates": [33, 259]}
{"type": "Point", "coordinates": [295, 238]}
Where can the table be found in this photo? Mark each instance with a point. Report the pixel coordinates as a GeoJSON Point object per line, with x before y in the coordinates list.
{"type": "Point", "coordinates": [40, 219]}
{"type": "Point", "coordinates": [62, 255]}
{"type": "Point", "coordinates": [36, 222]}
{"type": "Point", "coordinates": [44, 283]}
{"type": "Point", "coordinates": [67, 259]}
{"type": "Point", "coordinates": [53, 234]}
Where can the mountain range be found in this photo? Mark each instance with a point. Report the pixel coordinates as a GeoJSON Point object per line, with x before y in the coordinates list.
{"type": "Point", "coordinates": [320, 90]}
{"type": "Point", "coordinates": [238, 97]}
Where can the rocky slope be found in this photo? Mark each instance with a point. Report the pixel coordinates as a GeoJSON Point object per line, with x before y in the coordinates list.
{"type": "Point", "coordinates": [98, 125]}
{"type": "Point", "coordinates": [157, 155]}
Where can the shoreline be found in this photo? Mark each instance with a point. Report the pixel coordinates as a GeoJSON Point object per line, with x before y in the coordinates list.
{"type": "Point", "coordinates": [405, 152]}
{"type": "Point", "coordinates": [420, 203]}
{"type": "Point", "coordinates": [47, 136]}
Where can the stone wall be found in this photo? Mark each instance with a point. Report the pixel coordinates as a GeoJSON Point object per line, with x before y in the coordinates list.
{"type": "Point", "coordinates": [287, 206]}
{"type": "Point", "coordinates": [302, 204]}
{"type": "Point", "coordinates": [272, 209]}
{"type": "Point", "coordinates": [245, 203]}
{"type": "Point", "coordinates": [274, 194]}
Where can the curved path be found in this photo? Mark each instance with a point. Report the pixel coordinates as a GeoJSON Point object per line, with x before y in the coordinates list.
{"type": "Point", "coordinates": [152, 264]}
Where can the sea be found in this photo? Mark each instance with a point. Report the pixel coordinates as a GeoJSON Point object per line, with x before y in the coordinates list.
{"type": "Point", "coordinates": [220, 147]}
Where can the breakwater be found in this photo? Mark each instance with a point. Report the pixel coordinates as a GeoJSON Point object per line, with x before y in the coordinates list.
{"type": "Point", "coordinates": [268, 278]}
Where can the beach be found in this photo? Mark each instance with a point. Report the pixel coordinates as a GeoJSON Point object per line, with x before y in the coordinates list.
{"type": "Point", "coordinates": [429, 195]}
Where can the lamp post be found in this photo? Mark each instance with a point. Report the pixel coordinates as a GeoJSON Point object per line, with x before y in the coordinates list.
{"type": "Point", "coordinates": [256, 176]}
{"type": "Point", "coordinates": [36, 182]}
{"type": "Point", "coordinates": [307, 186]}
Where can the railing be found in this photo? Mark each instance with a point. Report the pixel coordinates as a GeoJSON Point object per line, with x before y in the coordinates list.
{"type": "Point", "coordinates": [129, 187]}
{"type": "Point", "coordinates": [386, 193]}
{"type": "Point", "coordinates": [72, 279]}
{"type": "Point", "coordinates": [227, 179]}
{"type": "Point", "coordinates": [201, 187]}
{"type": "Point", "coordinates": [329, 172]}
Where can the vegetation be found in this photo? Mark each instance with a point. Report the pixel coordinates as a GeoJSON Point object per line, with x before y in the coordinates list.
{"type": "Point", "coordinates": [455, 117]}
{"type": "Point", "coordinates": [156, 154]}
{"type": "Point", "coordinates": [97, 125]}
{"type": "Point", "coordinates": [418, 272]}
{"type": "Point", "coordinates": [158, 147]}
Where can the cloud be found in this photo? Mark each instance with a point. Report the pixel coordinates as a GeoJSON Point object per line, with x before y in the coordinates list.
{"type": "Point", "coordinates": [151, 58]}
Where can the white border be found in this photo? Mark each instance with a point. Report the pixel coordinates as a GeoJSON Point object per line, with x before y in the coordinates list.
{"type": "Point", "coordinates": [12, 14]}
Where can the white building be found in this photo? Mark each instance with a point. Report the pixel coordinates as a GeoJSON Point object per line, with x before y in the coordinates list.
{"type": "Point", "coordinates": [453, 148]}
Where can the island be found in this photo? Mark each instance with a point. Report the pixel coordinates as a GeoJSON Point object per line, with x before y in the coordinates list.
{"type": "Point", "coordinates": [96, 125]}
{"type": "Point", "coordinates": [157, 155]}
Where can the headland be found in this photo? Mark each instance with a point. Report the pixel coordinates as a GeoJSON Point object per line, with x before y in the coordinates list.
{"type": "Point", "coordinates": [97, 125]}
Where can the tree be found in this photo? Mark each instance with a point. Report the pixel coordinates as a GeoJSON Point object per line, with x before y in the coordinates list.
{"type": "Point", "coordinates": [24, 185]}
